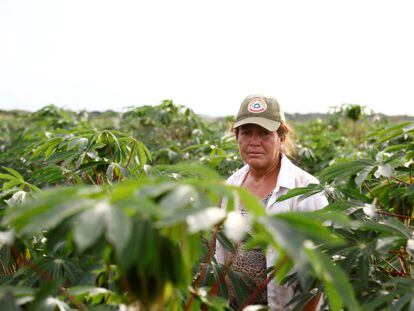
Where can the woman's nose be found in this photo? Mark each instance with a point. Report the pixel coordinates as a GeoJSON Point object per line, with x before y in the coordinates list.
{"type": "Point", "coordinates": [255, 140]}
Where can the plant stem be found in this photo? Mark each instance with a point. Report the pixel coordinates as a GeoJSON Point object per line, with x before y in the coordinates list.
{"type": "Point", "coordinates": [203, 268]}
{"type": "Point", "coordinates": [131, 153]}
{"type": "Point", "coordinates": [372, 194]}
{"type": "Point", "coordinates": [393, 214]}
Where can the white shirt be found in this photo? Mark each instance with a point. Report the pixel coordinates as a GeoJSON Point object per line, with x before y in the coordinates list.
{"type": "Point", "coordinates": [290, 177]}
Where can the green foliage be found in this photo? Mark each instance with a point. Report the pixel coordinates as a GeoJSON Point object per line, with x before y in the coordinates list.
{"type": "Point", "coordinates": [102, 211]}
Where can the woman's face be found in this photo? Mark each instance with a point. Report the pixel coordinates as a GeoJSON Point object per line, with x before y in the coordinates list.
{"type": "Point", "coordinates": [258, 147]}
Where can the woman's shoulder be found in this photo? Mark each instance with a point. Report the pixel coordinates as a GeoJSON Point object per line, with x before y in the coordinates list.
{"type": "Point", "coordinates": [237, 177]}
{"type": "Point", "coordinates": [304, 178]}
{"type": "Point", "coordinates": [301, 177]}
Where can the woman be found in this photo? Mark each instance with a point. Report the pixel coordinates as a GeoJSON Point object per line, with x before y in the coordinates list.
{"type": "Point", "coordinates": [261, 133]}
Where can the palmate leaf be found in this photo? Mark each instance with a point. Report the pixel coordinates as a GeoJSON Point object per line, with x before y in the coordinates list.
{"type": "Point", "coordinates": [96, 294]}
{"type": "Point", "coordinates": [190, 169]}
{"type": "Point", "coordinates": [250, 202]}
{"type": "Point", "coordinates": [241, 284]}
{"type": "Point", "coordinates": [384, 132]}
{"type": "Point", "coordinates": [11, 183]}
{"type": "Point", "coordinates": [48, 175]}
{"type": "Point", "coordinates": [304, 192]}
{"type": "Point", "coordinates": [49, 289]}
{"type": "Point", "coordinates": [90, 227]}
{"type": "Point", "coordinates": [129, 254]}
{"type": "Point", "coordinates": [336, 283]}
{"type": "Point", "coordinates": [46, 211]}
{"type": "Point", "coordinates": [379, 301]}
{"type": "Point", "coordinates": [14, 173]}
{"type": "Point", "coordinates": [280, 235]}
{"type": "Point", "coordinates": [392, 132]}
{"type": "Point", "coordinates": [60, 156]}
{"type": "Point", "coordinates": [109, 138]}
{"type": "Point", "coordinates": [134, 149]}
{"type": "Point", "coordinates": [388, 226]}
{"type": "Point", "coordinates": [37, 148]}
{"type": "Point", "coordinates": [116, 170]}
{"type": "Point", "coordinates": [218, 272]}
{"type": "Point", "coordinates": [103, 218]}
{"type": "Point", "coordinates": [118, 230]}
{"type": "Point", "coordinates": [403, 301]}
{"type": "Point", "coordinates": [7, 300]}
{"type": "Point", "coordinates": [344, 169]}
{"type": "Point", "coordinates": [311, 226]}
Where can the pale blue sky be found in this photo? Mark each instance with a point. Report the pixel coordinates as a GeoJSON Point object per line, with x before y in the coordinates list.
{"type": "Point", "coordinates": [207, 55]}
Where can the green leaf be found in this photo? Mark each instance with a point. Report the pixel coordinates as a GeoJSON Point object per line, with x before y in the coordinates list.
{"type": "Point", "coordinates": [389, 226]}
{"type": "Point", "coordinates": [87, 291]}
{"type": "Point", "coordinates": [309, 190]}
{"type": "Point", "coordinates": [227, 244]}
{"type": "Point", "coordinates": [250, 202]}
{"type": "Point", "coordinates": [8, 177]}
{"type": "Point", "coordinates": [280, 235]}
{"type": "Point", "coordinates": [362, 175]}
{"type": "Point", "coordinates": [128, 255]}
{"type": "Point", "coordinates": [91, 225]}
{"type": "Point", "coordinates": [404, 301]}
{"type": "Point", "coordinates": [181, 196]}
{"type": "Point", "coordinates": [335, 301]}
{"type": "Point", "coordinates": [344, 169]}
{"type": "Point", "coordinates": [218, 272]}
{"type": "Point", "coordinates": [118, 229]}
{"type": "Point", "coordinates": [191, 169]}
{"type": "Point", "coordinates": [44, 292]}
{"type": "Point", "coordinates": [239, 282]}
{"type": "Point", "coordinates": [380, 301]}
{"type": "Point", "coordinates": [142, 152]}
{"type": "Point", "coordinates": [310, 226]}
{"type": "Point", "coordinates": [46, 211]}
{"type": "Point", "coordinates": [338, 288]}
{"type": "Point", "coordinates": [7, 301]}
{"type": "Point", "coordinates": [10, 184]}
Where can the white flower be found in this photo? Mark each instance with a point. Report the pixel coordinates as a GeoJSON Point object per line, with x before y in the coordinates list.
{"type": "Point", "coordinates": [409, 163]}
{"type": "Point", "coordinates": [254, 308]}
{"type": "Point", "coordinates": [382, 155]}
{"type": "Point", "coordinates": [410, 247]}
{"type": "Point", "coordinates": [102, 207]}
{"type": "Point", "coordinates": [369, 210]}
{"type": "Point", "coordinates": [6, 238]}
{"type": "Point", "coordinates": [338, 257]}
{"type": "Point", "coordinates": [205, 219]}
{"type": "Point", "coordinates": [17, 199]}
{"type": "Point", "coordinates": [384, 170]}
{"type": "Point", "coordinates": [309, 244]}
{"type": "Point", "coordinates": [54, 303]}
{"type": "Point", "coordinates": [235, 226]}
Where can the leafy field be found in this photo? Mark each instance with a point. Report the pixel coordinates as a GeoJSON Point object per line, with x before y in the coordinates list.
{"type": "Point", "coordinates": [104, 211]}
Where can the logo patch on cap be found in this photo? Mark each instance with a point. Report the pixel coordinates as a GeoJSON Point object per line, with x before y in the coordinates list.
{"type": "Point", "coordinates": [257, 105]}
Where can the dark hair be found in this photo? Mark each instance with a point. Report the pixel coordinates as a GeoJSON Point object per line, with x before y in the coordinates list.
{"type": "Point", "coordinates": [286, 136]}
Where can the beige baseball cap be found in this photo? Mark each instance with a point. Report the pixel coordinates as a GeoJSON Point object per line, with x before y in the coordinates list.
{"type": "Point", "coordinates": [261, 110]}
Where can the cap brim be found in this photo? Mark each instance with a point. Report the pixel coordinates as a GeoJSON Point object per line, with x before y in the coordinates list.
{"type": "Point", "coordinates": [269, 125]}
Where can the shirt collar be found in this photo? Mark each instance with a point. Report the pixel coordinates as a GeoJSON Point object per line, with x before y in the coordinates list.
{"type": "Point", "coordinates": [285, 179]}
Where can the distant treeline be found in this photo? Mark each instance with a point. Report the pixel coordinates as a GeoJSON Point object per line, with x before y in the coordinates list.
{"type": "Point", "coordinates": [292, 117]}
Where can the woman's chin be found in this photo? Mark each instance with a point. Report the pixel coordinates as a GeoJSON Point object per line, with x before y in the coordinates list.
{"type": "Point", "coordinates": [256, 163]}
